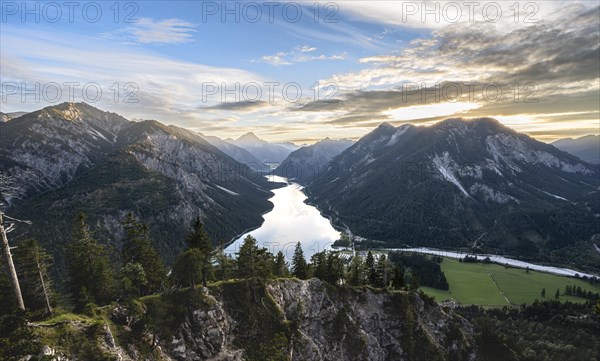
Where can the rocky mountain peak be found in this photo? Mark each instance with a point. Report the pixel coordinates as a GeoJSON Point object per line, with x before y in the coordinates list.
{"type": "Point", "coordinates": [249, 137]}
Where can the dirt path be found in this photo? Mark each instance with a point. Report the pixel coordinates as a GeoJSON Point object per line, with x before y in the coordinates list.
{"type": "Point", "coordinates": [499, 289]}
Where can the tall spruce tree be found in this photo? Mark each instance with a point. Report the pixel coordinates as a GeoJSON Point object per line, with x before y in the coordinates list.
{"type": "Point", "coordinates": [138, 248]}
{"type": "Point", "coordinates": [199, 239]}
{"type": "Point", "coordinates": [281, 266]}
{"type": "Point", "coordinates": [383, 271]}
{"type": "Point", "coordinates": [225, 265]}
{"type": "Point", "coordinates": [188, 269]}
{"type": "Point", "coordinates": [91, 277]}
{"type": "Point", "coordinates": [247, 261]}
{"type": "Point", "coordinates": [299, 265]}
{"type": "Point", "coordinates": [318, 265]}
{"type": "Point", "coordinates": [398, 281]}
{"type": "Point", "coordinates": [356, 271]}
{"type": "Point", "coordinates": [33, 263]}
{"type": "Point", "coordinates": [335, 268]}
{"type": "Point", "coordinates": [370, 269]}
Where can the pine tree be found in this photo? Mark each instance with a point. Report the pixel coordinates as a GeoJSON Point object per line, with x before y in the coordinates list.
{"type": "Point", "coordinates": [225, 265]}
{"type": "Point", "coordinates": [199, 239]}
{"type": "Point", "coordinates": [281, 266]}
{"type": "Point", "coordinates": [247, 262]}
{"type": "Point", "coordinates": [398, 282]}
{"type": "Point", "coordinates": [33, 264]}
{"type": "Point", "coordinates": [265, 263]}
{"type": "Point", "coordinates": [356, 271]}
{"type": "Point", "coordinates": [133, 280]}
{"type": "Point", "coordinates": [557, 294]}
{"type": "Point", "coordinates": [137, 248]}
{"type": "Point", "coordinates": [318, 265]}
{"type": "Point", "coordinates": [543, 292]}
{"type": "Point", "coordinates": [90, 273]}
{"type": "Point", "coordinates": [299, 266]}
{"type": "Point", "coordinates": [414, 281]}
{"type": "Point", "coordinates": [370, 269]}
{"type": "Point", "coordinates": [335, 268]}
{"type": "Point", "coordinates": [188, 268]}
{"type": "Point", "coordinates": [382, 272]}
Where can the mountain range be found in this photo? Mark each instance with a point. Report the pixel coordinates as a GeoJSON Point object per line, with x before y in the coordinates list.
{"type": "Point", "coordinates": [239, 154]}
{"type": "Point", "coordinates": [307, 163]}
{"type": "Point", "coordinates": [73, 157]}
{"type": "Point", "coordinates": [472, 184]}
{"type": "Point", "coordinates": [587, 148]}
{"type": "Point", "coordinates": [264, 151]}
{"type": "Point", "coordinates": [469, 184]}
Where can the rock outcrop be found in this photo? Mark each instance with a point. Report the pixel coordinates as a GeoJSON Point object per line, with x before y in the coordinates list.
{"type": "Point", "coordinates": [285, 319]}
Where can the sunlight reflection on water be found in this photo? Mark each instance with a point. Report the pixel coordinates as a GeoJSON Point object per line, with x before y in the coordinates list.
{"type": "Point", "coordinates": [291, 221]}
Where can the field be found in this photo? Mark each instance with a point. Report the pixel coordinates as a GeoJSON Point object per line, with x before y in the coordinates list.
{"type": "Point", "coordinates": [494, 285]}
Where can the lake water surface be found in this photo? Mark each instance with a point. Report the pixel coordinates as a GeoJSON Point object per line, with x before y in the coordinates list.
{"type": "Point", "coordinates": [292, 221]}
{"type": "Point", "coordinates": [289, 222]}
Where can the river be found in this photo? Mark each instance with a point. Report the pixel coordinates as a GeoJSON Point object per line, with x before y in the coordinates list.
{"type": "Point", "coordinates": [495, 259]}
{"type": "Point", "coordinates": [292, 221]}
{"type": "Point", "coordinates": [289, 222]}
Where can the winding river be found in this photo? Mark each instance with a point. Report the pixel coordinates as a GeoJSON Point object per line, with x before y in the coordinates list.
{"type": "Point", "coordinates": [292, 221]}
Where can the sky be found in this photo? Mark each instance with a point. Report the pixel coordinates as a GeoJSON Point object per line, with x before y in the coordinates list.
{"type": "Point", "coordinates": [304, 70]}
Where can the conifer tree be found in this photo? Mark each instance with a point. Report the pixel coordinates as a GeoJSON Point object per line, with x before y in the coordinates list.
{"type": "Point", "coordinates": [281, 266]}
{"type": "Point", "coordinates": [318, 265]}
{"type": "Point", "coordinates": [225, 265]}
{"type": "Point", "coordinates": [138, 248]}
{"type": "Point", "coordinates": [356, 271]}
{"type": "Point", "coordinates": [199, 239]}
{"type": "Point", "coordinates": [335, 268]}
{"type": "Point", "coordinates": [398, 282]}
{"type": "Point", "coordinates": [188, 269]}
{"type": "Point", "coordinates": [91, 278]}
{"type": "Point", "coordinates": [370, 269]}
{"type": "Point", "coordinates": [133, 280]}
{"type": "Point", "coordinates": [33, 264]}
{"type": "Point", "coordinates": [382, 270]}
{"type": "Point", "coordinates": [247, 261]}
{"type": "Point", "coordinates": [414, 281]}
{"type": "Point", "coordinates": [299, 265]}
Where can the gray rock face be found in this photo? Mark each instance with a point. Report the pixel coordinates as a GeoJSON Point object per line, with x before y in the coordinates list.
{"type": "Point", "coordinates": [239, 320]}
{"type": "Point", "coordinates": [364, 324]}
{"type": "Point", "coordinates": [332, 324]}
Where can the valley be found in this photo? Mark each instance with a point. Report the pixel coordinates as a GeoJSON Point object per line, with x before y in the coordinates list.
{"type": "Point", "coordinates": [337, 181]}
{"type": "Point", "coordinates": [389, 195]}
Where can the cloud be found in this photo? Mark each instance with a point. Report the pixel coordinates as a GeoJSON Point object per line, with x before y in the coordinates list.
{"type": "Point", "coordinates": [561, 54]}
{"type": "Point", "coordinates": [436, 14]}
{"type": "Point", "coordinates": [167, 89]}
{"type": "Point", "coordinates": [299, 54]}
{"type": "Point", "coordinates": [243, 106]}
{"type": "Point", "coordinates": [150, 31]}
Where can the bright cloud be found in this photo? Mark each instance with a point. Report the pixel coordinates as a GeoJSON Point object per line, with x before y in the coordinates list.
{"type": "Point", "coordinates": [299, 54]}
{"type": "Point", "coordinates": [150, 31]}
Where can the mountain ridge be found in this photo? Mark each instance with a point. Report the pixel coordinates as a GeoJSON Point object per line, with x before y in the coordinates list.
{"type": "Point", "coordinates": [587, 147]}
{"type": "Point", "coordinates": [75, 157]}
{"type": "Point", "coordinates": [451, 183]}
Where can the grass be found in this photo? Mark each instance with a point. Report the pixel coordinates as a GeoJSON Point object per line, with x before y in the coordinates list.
{"type": "Point", "coordinates": [492, 285]}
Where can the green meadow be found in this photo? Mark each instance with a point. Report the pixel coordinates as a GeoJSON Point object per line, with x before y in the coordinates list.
{"type": "Point", "coordinates": [493, 285]}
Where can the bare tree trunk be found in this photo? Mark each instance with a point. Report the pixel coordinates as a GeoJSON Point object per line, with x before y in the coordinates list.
{"type": "Point", "coordinates": [10, 265]}
{"type": "Point", "coordinates": [44, 289]}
